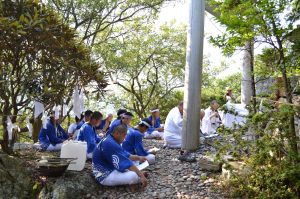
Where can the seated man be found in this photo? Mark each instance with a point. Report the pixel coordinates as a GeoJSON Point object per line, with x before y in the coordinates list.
{"type": "Point", "coordinates": [125, 119]}
{"type": "Point", "coordinates": [120, 113]}
{"type": "Point", "coordinates": [88, 133]}
{"type": "Point", "coordinates": [52, 137]}
{"type": "Point", "coordinates": [134, 141]}
{"type": "Point", "coordinates": [87, 117]}
{"type": "Point", "coordinates": [156, 131]}
{"type": "Point", "coordinates": [104, 125]}
{"type": "Point", "coordinates": [73, 127]}
{"type": "Point", "coordinates": [173, 127]}
{"type": "Point", "coordinates": [212, 120]}
{"type": "Point", "coordinates": [112, 165]}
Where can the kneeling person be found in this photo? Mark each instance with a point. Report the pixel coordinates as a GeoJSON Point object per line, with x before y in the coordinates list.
{"type": "Point", "coordinates": [134, 141]}
{"type": "Point", "coordinates": [88, 133]}
{"type": "Point", "coordinates": [112, 165]}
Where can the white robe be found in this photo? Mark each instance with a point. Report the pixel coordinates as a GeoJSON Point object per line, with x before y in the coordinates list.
{"type": "Point", "coordinates": [210, 124]}
{"type": "Point", "coordinates": [173, 128]}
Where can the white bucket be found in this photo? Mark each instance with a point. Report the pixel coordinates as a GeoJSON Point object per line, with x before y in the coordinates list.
{"type": "Point", "coordinates": [74, 149]}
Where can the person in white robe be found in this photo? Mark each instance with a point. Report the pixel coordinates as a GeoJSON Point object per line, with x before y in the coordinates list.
{"type": "Point", "coordinates": [173, 127]}
{"type": "Point", "coordinates": [212, 119]}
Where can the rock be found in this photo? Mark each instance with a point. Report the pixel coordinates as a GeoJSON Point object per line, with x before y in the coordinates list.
{"type": "Point", "coordinates": [71, 185]}
{"type": "Point", "coordinates": [208, 164]}
{"type": "Point", "coordinates": [15, 179]}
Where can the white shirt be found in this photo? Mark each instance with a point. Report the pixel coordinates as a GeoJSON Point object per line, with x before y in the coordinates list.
{"type": "Point", "coordinates": [72, 128]}
{"type": "Point", "coordinates": [173, 123]}
{"type": "Point", "coordinates": [210, 124]}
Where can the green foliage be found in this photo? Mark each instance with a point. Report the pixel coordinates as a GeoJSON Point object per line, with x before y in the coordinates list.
{"type": "Point", "coordinates": [272, 166]}
{"type": "Point", "coordinates": [146, 64]}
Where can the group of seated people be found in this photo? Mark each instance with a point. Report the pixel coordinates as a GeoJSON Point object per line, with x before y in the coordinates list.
{"type": "Point", "coordinates": [115, 147]}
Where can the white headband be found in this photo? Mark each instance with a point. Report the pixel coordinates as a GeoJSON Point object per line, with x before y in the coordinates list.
{"type": "Point", "coordinates": [154, 110]}
{"type": "Point", "coordinates": [145, 123]}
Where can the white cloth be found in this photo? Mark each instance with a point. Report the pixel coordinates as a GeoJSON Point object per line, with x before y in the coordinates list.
{"type": "Point", "coordinates": [76, 134]}
{"type": "Point", "coordinates": [173, 128]}
{"type": "Point", "coordinates": [230, 120]}
{"type": "Point", "coordinates": [154, 134]}
{"type": "Point", "coordinates": [116, 178]}
{"type": "Point", "coordinates": [72, 128]}
{"type": "Point", "coordinates": [89, 155]}
{"type": "Point", "coordinates": [65, 110]}
{"type": "Point", "coordinates": [57, 147]}
{"type": "Point", "coordinates": [44, 120]}
{"type": "Point", "coordinates": [56, 109]}
{"type": "Point", "coordinates": [9, 127]}
{"type": "Point", "coordinates": [210, 123]}
{"type": "Point", "coordinates": [151, 158]}
{"type": "Point", "coordinates": [76, 103]}
{"type": "Point", "coordinates": [38, 108]}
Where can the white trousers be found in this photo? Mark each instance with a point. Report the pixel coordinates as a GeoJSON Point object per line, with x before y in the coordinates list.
{"type": "Point", "coordinates": [172, 140]}
{"type": "Point", "coordinates": [57, 147]}
{"type": "Point", "coordinates": [116, 178]}
{"type": "Point", "coordinates": [89, 155]}
{"type": "Point", "coordinates": [151, 158]}
{"type": "Point", "coordinates": [154, 134]}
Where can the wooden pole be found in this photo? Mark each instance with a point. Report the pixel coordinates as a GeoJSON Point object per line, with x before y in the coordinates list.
{"type": "Point", "coordinates": [193, 76]}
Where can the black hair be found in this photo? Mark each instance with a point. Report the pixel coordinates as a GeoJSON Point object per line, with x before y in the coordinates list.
{"type": "Point", "coordinates": [96, 115]}
{"type": "Point", "coordinates": [88, 113]}
{"type": "Point", "coordinates": [77, 119]}
{"type": "Point", "coordinates": [128, 114]}
{"type": "Point", "coordinates": [120, 112]}
{"type": "Point", "coordinates": [147, 121]}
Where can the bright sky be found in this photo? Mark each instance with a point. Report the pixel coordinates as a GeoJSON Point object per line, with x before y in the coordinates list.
{"type": "Point", "coordinates": [179, 12]}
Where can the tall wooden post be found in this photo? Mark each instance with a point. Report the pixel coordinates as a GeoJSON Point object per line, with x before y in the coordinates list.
{"type": "Point", "coordinates": [193, 76]}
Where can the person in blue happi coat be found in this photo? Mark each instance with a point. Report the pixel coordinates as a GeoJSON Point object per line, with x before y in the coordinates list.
{"type": "Point", "coordinates": [53, 135]}
{"type": "Point", "coordinates": [156, 130]}
{"type": "Point", "coordinates": [88, 133]}
{"type": "Point", "coordinates": [134, 141]}
{"type": "Point", "coordinates": [105, 124]}
{"type": "Point", "coordinates": [112, 165]}
{"type": "Point", "coordinates": [125, 119]}
{"type": "Point", "coordinates": [87, 117]}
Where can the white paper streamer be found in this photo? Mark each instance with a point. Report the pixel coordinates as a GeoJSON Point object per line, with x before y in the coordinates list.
{"type": "Point", "coordinates": [261, 106]}
{"type": "Point", "coordinates": [57, 109]}
{"type": "Point", "coordinates": [65, 110]}
{"type": "Point", "coordinates": [38, 108]}
{"type": "Point", "coordinates": [76, 103]}
{"type": "Point", "coordinates": [44, 120]}
{"type": "Point", "coordinates": [9, 128]}
{"type": "Point", "coordinates": [81, 101]}
{"type": "Point", "coordinates": [29, 126]}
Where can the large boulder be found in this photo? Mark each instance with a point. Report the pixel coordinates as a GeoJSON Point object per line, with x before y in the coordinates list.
{"type": "Point", "coordinates": [15, 178]}
{"type": "Point", "coordinates": [71, 185]}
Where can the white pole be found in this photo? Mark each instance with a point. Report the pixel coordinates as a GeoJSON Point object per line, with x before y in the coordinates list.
{"type": "Point", "coordinates": [193, 76]}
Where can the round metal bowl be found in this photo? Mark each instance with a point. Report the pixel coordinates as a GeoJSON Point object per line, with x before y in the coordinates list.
{"type": "Point", "coordinates": [53, 167]}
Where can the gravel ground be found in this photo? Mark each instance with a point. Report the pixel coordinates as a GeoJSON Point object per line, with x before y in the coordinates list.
{"type": "Point", "coordinates": [168, 177]}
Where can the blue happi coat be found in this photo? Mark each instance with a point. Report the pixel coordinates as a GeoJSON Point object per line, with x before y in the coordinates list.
{"type": "Point", "coordinates": [134, 143]}
{"type": "Point", "coordinates": [156, 124]}
{"type": "Point", "coordinates": [88, 134]}
{"type": "Point", "coordinates": [109, 156]}
{"type": "Point", "coordinates": [51, 135]}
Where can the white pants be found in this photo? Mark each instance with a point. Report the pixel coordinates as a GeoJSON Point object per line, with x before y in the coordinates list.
{"type": "Point", "coordinates": [154, 134]}
{"type": "Point", "coordinates": [150, 159]}
{"type": "Point", "coordinates": [172, 140]}
{"type": "Point", "coordinates": [116, 178]}
{"type": "Point", "coordinates": [57, 147]}
{"type": "Point", "coordinates": [89, 155]}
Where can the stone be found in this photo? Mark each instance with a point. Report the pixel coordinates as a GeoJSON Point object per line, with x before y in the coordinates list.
{"type": "Point", "coordinates": [208, 164]}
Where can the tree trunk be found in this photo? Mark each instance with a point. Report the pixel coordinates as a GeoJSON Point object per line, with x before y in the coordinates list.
{"type": "Point", "coordinates": [292, 136]}
{"type": "Point", "coordinates": [5, 142]}
{"type": "Point", "coordinates": [193, 73]}
{"type": "Point", "coordinates": [36, 127]}
{"type": "Point", "coordinates": [248, 83]}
